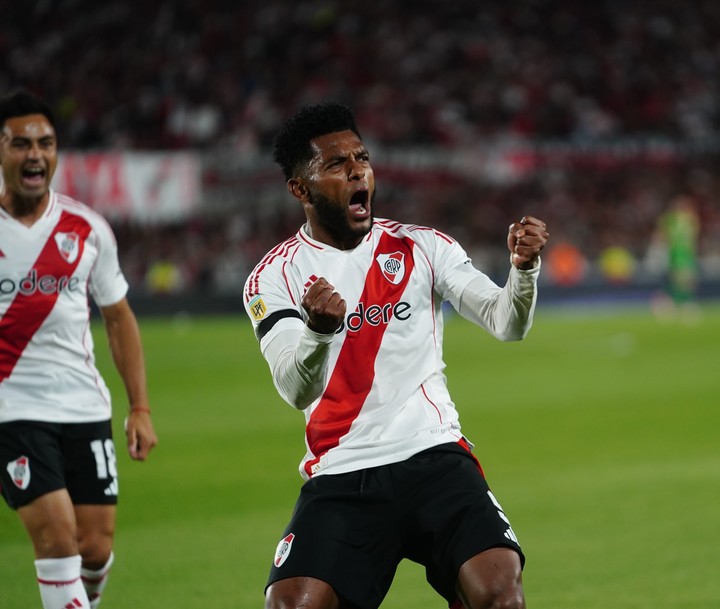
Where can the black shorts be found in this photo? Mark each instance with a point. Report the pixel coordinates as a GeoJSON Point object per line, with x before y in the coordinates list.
{"type": "Point", "coordinates": [351, 530]}
{"type": "Point", "coordinates": [37, 458]}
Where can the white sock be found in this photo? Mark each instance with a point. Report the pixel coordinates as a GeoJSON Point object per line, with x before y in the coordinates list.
{"type": "Point", "coordinates": [60, 583]}
{"type": "Point", "coordinates": [95, 581]}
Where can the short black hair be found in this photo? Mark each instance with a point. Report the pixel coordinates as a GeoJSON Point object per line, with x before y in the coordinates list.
{"type": "Point", "coordinates": [21, 102]}
{"type": "Point", "coordinates": [291, 146]}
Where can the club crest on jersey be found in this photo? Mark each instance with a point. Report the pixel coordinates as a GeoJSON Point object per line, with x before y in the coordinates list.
{"type": "Point", "coordinates": [19, 471]}
{"type": "Point", "coordinates": [68, 246]}
{"type": "Point", "coordinates": [392, 266]}
{"type": "Point", "coordinates": [283, 549]}
{"type": "Point", "coordinates": [257, 308]}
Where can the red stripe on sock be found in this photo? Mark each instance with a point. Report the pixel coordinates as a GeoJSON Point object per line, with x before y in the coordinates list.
{"type": "Point", "coordinates": [57, 582]}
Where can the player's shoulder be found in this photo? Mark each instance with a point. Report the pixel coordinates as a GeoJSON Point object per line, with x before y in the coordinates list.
{"type": "Point", "coordinates": [286, 251]}
{"type": "Point", "coordinates": [273, 263]}
{"type": "Point", "coordinates": [72, 206]}
{"type": "Point", "coordinates": [416, 232]}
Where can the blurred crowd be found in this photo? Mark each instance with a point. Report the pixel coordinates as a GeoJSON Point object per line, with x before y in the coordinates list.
{"type": "Point", "coordinates": [604, 223]}
{"type": "Point", "coordinates": [173, 73]}
{"type": "Point", "coordinates": [221, 75]}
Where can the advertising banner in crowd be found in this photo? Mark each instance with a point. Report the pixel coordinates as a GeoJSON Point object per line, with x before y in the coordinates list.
{"type": "Point", "coordinates": [147, 187]}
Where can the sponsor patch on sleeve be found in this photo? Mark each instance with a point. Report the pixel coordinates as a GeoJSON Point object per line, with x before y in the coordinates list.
{"type": "Point", "coordinates": [257, 308]}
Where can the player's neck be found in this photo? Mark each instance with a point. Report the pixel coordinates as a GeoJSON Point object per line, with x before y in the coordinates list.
{"type": "Point", "coordinates": [344, 242]}
{"type": "Point", "coordinates": [26, 210]}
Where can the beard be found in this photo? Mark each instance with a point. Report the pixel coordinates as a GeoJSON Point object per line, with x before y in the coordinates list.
{"type": "Point", "coordinates": [334, 217]}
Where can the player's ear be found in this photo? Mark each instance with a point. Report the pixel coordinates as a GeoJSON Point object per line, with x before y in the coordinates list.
{"type": "Point", "coordinates": [297, 188]}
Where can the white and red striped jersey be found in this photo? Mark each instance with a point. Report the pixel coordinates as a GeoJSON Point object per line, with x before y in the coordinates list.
{"type": "Point", "coordinates": [384, 395]}
{"type": "Point", "coordinates": [47, 271]}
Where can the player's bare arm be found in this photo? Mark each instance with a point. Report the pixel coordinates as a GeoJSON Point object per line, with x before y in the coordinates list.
{"type": "Point", "coordinates": [526, 239]}
{"type": "Point", "coordinates": [324, 306]}
{"type": "Point", "coordinates": [126, 348]}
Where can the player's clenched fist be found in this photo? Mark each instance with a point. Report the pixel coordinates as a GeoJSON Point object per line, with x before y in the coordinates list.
{"type": "Point", "coordinates": [324, 306]}
{"type": "Point", "coordinates": [526, 239]}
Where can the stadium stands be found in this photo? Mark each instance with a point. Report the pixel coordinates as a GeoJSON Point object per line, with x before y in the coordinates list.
{"type": "Point", "coordinates": [217, 76]}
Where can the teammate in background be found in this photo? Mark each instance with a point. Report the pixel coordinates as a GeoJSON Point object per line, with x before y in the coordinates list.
{"type": "Point", "coordinates": [677, 233]}
{"type": "Point", "coordinates": [57, 459]}
{"type": "Point", "coordinates": [347, 313]}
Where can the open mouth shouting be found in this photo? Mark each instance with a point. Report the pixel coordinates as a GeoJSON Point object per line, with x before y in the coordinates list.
{"type": "Point", "coordinates": [33, 176]}
{"type": "Point", "coordinates": [360, 205]}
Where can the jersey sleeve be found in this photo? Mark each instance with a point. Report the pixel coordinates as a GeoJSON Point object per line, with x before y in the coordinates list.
{"type": "Point", "coordinates": [107, 282]}
{"type": "Point", "coordinates": [297, 356]}
{"type": "Point", "coordinates": [505, 312]}
{"type": "Point", "coordinates": [271, 301]}
{"type": "Point", "coordinates": [452, 267]}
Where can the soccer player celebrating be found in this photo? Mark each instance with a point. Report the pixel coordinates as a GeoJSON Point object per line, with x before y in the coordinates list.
{"type": "Point", "coordinates": [57, 458]}
{"type": "Point", "coordinates": [348, 316]}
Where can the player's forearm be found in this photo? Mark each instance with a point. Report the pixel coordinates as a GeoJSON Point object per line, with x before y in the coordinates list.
{"type": "Point", "coordinates": [127, 352]}
{"type": "Point", "coordinates": [507, 312]}
{"type": "Point", "coordinates": [298, 360]}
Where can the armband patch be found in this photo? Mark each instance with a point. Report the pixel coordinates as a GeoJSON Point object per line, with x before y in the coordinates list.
{"type": "Point", "coordinates": [257, 308]}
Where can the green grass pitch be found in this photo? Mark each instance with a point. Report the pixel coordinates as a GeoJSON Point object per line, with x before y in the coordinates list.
{"type": "Point", "coordinates": [598, 433]}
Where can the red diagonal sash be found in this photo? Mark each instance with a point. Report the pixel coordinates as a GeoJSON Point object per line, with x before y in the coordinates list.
{"type": "Point", "coordinates": [353, 375]}
{"type": "Point", "coordinates": [28, 311]}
